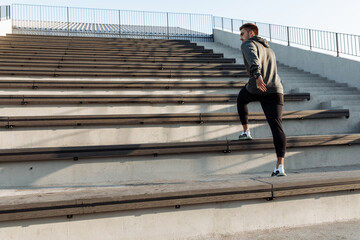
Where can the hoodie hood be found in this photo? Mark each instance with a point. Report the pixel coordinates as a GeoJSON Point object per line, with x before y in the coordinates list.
{"type": "Point", "coordinates": [260, 40]}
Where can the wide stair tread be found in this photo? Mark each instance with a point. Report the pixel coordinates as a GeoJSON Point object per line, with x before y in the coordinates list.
{"type": "Point", "coordinates": [41, 203]}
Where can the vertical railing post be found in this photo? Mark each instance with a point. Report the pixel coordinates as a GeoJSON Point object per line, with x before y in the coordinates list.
{"type": "Point", "coordinates": [288, 35]}
{"type": "Point", "coordinates": [0, 13]}
{"type": "Point", "coordinates": [40, 18]}
{"type": "Point", "coordinates": [144, 24]}
{"type": "Point", "coordinates": [222, 23]}
{"type": "Point", "coordinates": [68, 21]}
{"type": "Point", "coordinates": [232, 26]}
{"type": "Point", "coordinates": [310, 39]}
{"type": "Point", "coordinates": [167, 17]}
{"type": "Point", "coordinates": [9, 14]}
{"type": "Point", "coordinates": [337, 45]}
{"type": "Point", "coordinates": [358, 54]}
{"type": "Point", "coordinates": [119, 24]}
{"type": "Point", "coordinates": [270, 31]}
{"type": "Point", "coordinates": [213, 25]}
{"type": "Point", "coordinates": [190, 23]}
{"type": "Point", "coordinates": [94, 25]}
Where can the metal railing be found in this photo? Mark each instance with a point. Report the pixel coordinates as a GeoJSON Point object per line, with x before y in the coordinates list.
{"type": "Point", "coordinates": [38, 19]}
{"type": "Point", "coordinates": [337, 43]}
{"type": "Point", "coordinates": [71, 21]}
{"type": "Point", "coordinates": [4, 12]}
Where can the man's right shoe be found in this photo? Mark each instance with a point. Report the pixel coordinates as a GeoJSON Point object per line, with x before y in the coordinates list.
{"type": "Point", "coordinates": [278, 172]}
{"type": "Point", "coordinates": [245, 135]}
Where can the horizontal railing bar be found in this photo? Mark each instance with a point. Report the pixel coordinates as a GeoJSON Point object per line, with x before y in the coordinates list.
{"type": "Point", "coordinates": [111, 10]}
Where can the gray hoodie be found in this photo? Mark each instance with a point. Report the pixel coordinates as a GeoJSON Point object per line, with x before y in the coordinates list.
{"type": "Point", "coordinates": [259, 58]}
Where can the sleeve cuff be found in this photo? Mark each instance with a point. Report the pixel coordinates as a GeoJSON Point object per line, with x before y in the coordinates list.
{"type": "Point", "coordinates": [256, 75]}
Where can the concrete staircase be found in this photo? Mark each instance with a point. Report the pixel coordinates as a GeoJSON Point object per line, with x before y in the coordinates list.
{"type": "Point", "coordinates": [170, 180]}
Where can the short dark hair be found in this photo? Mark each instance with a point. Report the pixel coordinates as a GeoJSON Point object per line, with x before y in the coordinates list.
{"type": "Point", "coordinates": [250, 26]}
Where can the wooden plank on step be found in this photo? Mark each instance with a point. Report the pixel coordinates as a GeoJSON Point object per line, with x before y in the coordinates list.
{"type": "Point", "coordinates": [174, 84]}
{"type": "Point", "coordinates": [122, 99]}
{"type": "Point", "coordinates": [94, 200]}
{"type": "Point", "coordinates": [313, 183]}
{"type": "Point", "coordinates": [145, 119]}
{"type": "Point", "coordinates": [87, 152]}
{"type": "Point", "coordinates": [119, 65]}
{"type": "Point", "coordinates": [64, 58]}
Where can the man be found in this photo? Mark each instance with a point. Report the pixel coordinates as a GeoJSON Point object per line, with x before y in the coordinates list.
{"type": "Point", "coordinates": [265, 86]}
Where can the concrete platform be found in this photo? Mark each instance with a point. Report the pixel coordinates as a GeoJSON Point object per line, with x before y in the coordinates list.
{"type": "Point", "coordinates": [109, 171]}
{"type": "Point", "coordinates": [219, 220]}
{"type": "Point", "coordinates": [109, 135]}
{"type": "Point", "coordinates": [347, 230]}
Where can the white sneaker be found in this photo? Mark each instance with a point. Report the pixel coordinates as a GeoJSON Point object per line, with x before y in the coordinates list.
{"type": "Point", "coordinates": [279, 172]}
{"type": "Point", "coordinates": [245, 135]}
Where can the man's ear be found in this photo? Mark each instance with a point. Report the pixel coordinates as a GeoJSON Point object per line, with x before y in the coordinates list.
{"type": "Point", "coordinates": [251, 33]}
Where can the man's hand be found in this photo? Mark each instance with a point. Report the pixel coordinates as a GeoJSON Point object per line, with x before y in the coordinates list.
{"type": "Point", "coordinates": [260, 84]}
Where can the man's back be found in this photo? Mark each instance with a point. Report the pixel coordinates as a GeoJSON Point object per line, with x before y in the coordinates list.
{"type": "Point", "coordinates": [259, 58]}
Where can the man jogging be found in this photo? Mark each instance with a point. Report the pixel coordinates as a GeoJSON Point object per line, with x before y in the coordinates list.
{"type": "Point", "coordinates": [265, 86]}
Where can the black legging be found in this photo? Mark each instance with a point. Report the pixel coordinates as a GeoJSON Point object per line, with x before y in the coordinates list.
{"type": "Point", "coordinates": [272, 105]}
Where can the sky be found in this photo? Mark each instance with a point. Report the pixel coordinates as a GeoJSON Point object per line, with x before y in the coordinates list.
{"type": "Point", "coordinates": [329, 15]}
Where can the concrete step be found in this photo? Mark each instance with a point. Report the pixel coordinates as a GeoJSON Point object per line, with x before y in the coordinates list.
{"type": "Point", "coordinates": [124, 170]}
{"type": "Point", "coordinates": [328, 90]}
{"type": "Point", "coordinates": [338, 97]}
{"type": "Point", "coordinates": [348, 229]}
{"type": "Point", "coordinates": [340, 103]}
{"type": "Point", "coordinates": [112, 92]}
{"type": "Point", "coordinates": [130, 134]}
{"type": "Point", "coordinates": [293, 70]}
{"type": "Point", "coordinates": [300, 74]}
{"type": "Point", "coordinates": [89, 205]}
{"type": "Point", "coordinates": [304, 79]}
{"type": "Point", "coordinates": [292, 85]}
{"type": "Point", "coordinates": [119, 84]}
{"type": "Point", "coordinates": [96, 109]}
{"type": "Point", "coordinates": [81, 79]}
{"type": "Point", "coordinates": [353, 108]}
{"type": "Point", "coordinates": [227, 51]}
{"type": "Point", "coordinates": [335, 92]}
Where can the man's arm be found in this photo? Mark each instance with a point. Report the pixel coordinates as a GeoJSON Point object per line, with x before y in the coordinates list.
{"type": "Point", "coordinates": [250, 54]}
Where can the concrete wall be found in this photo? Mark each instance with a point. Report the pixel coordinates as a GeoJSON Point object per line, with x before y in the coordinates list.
{"type": "Point", "coordinates": [5, 27]}
{"type": "Point", "coordinates": [334, 68]}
